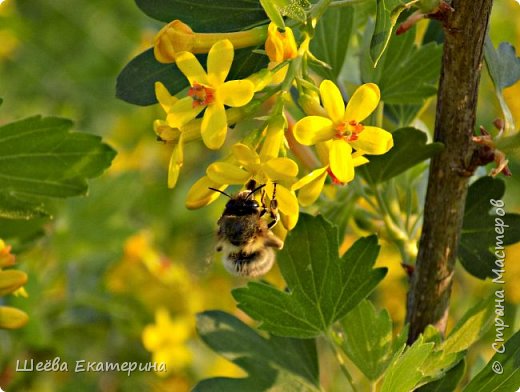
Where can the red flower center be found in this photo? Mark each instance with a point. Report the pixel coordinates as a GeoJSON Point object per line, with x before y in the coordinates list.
{"type": "Point", "coordinates": [349, 131]}
{"type": "Point", "coordinates": [201, 95]}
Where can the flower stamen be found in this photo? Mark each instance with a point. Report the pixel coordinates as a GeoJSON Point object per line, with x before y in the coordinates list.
{"type": "Point", "coordinates": [201, 95]}
{"type": "Point", "coordinates": [349, 131]}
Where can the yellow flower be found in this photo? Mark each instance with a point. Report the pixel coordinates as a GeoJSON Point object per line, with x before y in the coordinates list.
{"type": "Point", "coordinates": [280, 46]}
{"type": "Point", "coordinates": [178, 37]}
{"type": "Point", "coordinates": [200, 195]}
{"type": "Point", "coordinates": [167, 339]}
{"type": "Point", "coordinates": [343, 129]}
{"type": "Point", "coordinates": [310, 186]}
{"type": "Point", "coordinates": [210, 91]}
{"type": "Point", "coordinates": [264, 170]}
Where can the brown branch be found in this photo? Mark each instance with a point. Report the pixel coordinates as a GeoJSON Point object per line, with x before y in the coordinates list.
{"type": "Point", "coordinates": [464, 31]}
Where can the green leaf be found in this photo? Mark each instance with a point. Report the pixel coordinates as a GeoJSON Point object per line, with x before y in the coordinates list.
{"type": "Point", "coordinates": [404, 373]}
{"type": "Point", "coordinates": [386, 17]}
{"type": "Point", "coordinates": [409, 149]}
{"type": "Point", "coordinates": [294, 9]}
{"type": "Point", "coordinates": [406, 74]}
{"type": "Point", "coordinates": [39, 158]}
{"type": "Point", "coordinates": [273, 12]}
{"type": "Point", "coordinates": [479, 233]}
{"type": "Point", "coordinates": [468, 330]}
{"type": "Point", "coordinates": [503, 64]}
{"type": "Point", "coordinates": [448, 382]}
{"type": "Point", "coordinates": [322, 287]}
{"type": "Point", "coordinates": [502, 373]}
{"type": "Point", "coordinates": [402, 114]}
{"type": "Point", "coordinates": [471, 327]}
{"type": "Point", "coordinates": [504, 68]}
{"type": "Point", "coordinates": [136, 82]}
{"type": "Point", "coordinates": [331, 40]}
{"type": "Point", "coordinates": [272, 364]}
{"type": "Point", "coordinates": [368, 339]}
{"type": "Point", "coordinates": [207, 16]}
{"type": "Point", "coordinates": [509, 145]}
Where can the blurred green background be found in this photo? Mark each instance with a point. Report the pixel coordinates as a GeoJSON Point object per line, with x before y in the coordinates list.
{"type": "Point", "coordinates": [113, 266]}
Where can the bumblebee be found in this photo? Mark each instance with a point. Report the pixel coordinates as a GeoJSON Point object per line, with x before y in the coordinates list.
{"type": "Point", "coordinates": [244, 234]}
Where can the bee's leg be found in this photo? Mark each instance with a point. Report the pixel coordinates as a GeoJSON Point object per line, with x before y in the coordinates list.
{"type": "Point", "coordinates": [273, 209]}
{"type": "Point", "coordinates": [262, 201]}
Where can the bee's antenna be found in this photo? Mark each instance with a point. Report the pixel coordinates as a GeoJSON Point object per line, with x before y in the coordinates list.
{"type": "Point", "coordinates": [219, 191]}
{"type": "Point", "coordinates": [255, 190]}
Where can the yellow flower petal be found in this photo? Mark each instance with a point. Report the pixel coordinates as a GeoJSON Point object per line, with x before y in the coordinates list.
{"type": "Point", "coordinates": [273, 44]}
{"type": "Point", "coordinates": [191, 68]}
{"type": "Point", "coordinates": [313, 129]}
{"type": "Point", "coordinates": [274, 137]}
{"type": "Point", "coordinates": [332, 101]}
{"type": "Point", "coordinates": [226, 173]}
{"type": "Point", "coordinates": [341, 161]}
{"type": "Point", "coordinates": [214, 126]}
{"type": "Point", "coordinates": [289, 221]}
{"type": "Point", "coordinates": [200, 195]}
{"type": "Point", "coordinates": [165, 99]}
{"type": "Point", "coordinates": [182, 112]}
{"type": "Point", "coordinates": [280, 169]}
{"type": "Point", "coordinates": [176, 162]}
{"type": "Point", "coordinates": [164, 131]}
{"type": "Point", "coordinates": [363, 102]}
{"type": "Point", "coordinates": [245, 155]}
{"type": "Point", "coordinates": [310, 192]}
{"type": "Point", "coordinates": [373, 141]}
{"type": "Point", "coordinates": [220, 58]}
{"type": "Point", "coordinates": [360, 160]}
{"type": "Point", "coordinates": [323, 151]}
{"type": "Point", "coordinates": [307, 179]}
{"type": "Point", "coordinates": [236, 93]}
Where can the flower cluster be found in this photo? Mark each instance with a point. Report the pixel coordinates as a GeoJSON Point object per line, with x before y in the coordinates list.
{"type": "Point", "coordinates": [340, 137]}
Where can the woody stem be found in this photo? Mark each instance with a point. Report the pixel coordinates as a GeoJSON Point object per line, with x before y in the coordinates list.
{"type": "Point", "coordinates": [464, 32]}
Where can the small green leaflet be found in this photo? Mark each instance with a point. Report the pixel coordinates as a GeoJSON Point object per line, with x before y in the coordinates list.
{"type": "Point", "coordinates": [406, 73]}
{"type": "Point", "coordinates": [40, 158]}
{"type": "Point", "coordinates": [479, 234]}
{"type": "Point", "coordinates": [136, 82]}
{"type": "Point", "coordinates": [368, 339]}
{"type": "Point", "coordinates": [322, 287]}
{"type": "Point", "coordinates": [504, 68]}
{"type": "Point", "coordinates": [386, 17]}
{"type": "Point", "coordinates": [448, 382]}
{"type": "Point", "coordinates": [448, 353]}
{"type": "Point", "coordinates": [331, 40]}
{"type": "Point", "coordinates": [405, 373]}
{"type": "Point", "coordinates": [273, 363]}
{"type": "Point", "coordinates": [277, 9]}
{"type": "Point", "coordinates": [409, 149]}
{"type": "Point", "coordinates": [207, 16]}
{"type": "Point", "coordinates": [502, 373]}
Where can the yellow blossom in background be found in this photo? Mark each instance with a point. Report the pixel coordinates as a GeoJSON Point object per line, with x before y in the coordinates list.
{"type": "Point", "coordinates": [342, 128]}
{"type": "Point", "coordinates": [167, 339]}
{"type": "Point", "coordinates": [211, 92]}
{"type": "Point", "coordinates": [280, 46]}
